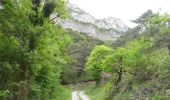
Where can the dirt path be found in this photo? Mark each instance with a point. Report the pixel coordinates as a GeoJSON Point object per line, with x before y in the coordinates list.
{"type": "Point", "coordinates": [79, 95]}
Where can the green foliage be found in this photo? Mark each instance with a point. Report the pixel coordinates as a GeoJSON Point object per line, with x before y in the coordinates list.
{"type": "Point", "coordinates": [50, 58]}
{"type": "Point", "coordinates": [96, 94]}
{"type": "Point", "coordinates": [32, 52]}
{"type": "Point", "coordinates": [134, 52]}
{"type": "Point", "coordinates": [95, 60]}
{"type": "Point", "coordinates": [140, 63]}
{"type": "Point", "coordinates": [61, 8]}
{"type": "Point", "coordinates": [113, 62]}
{"type": "Point", "coordinates": [34, 55]}
{"type": "Point", "coordinates": [144, 17]}
{"type": "Point", "coordinates": [78, 52]}
{"type": "Point", "coordinates": [4, 94]}
{"type": "Point", "coordinates": [146, 60]}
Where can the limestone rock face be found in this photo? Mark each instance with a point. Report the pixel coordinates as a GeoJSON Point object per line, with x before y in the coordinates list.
{"type": "Point", "coordinates": [104, 29]}
{"type": "Point", "coordinates": [1, 6]}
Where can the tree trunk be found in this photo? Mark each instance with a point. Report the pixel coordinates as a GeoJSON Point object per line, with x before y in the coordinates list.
{"type": "Point", "coordinates": [119, 73]}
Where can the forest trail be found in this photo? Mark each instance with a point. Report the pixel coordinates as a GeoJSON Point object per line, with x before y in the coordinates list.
{"type": "Point", "coordinates": [79, 95]}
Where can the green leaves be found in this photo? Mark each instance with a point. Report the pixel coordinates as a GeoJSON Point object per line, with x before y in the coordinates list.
{"type": "Point", "coordinates": [114, 62]}
{"type": "Point", "coordinates": [32, 50]}
{"type": "Point", "coordinates": [61, 8]}
{"type": "Point", "coordinates": [4, 94]}
{"type": "Point", "coordinates": [95, 60]}
{"type": "Point", "coordinates": [142, 57]}
{"type": "Point", "coordinates": [97, 55]}
{"type": "Point", "coordinates": [118, 61]}
{"type": "Point", "coordinates": [134, 52]}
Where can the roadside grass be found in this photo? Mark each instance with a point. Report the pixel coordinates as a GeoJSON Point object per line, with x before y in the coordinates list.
{"type": "Point", "coordinates": [66, 93]}
{"type": "Point", "coordinates": [95, 93]}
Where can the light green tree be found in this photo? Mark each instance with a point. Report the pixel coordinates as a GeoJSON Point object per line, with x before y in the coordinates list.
{"type": "Point", "coordinates": [114, 64]}
{"type": "Point", "coordinates": [95, 60]}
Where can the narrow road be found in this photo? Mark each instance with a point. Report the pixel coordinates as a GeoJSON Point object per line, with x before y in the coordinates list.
{"type": "Point", "coordinates": [79, 95]}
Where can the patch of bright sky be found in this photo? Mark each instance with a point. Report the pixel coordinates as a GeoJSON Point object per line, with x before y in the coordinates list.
{"type": "Point", "coordinates": [124, 9]}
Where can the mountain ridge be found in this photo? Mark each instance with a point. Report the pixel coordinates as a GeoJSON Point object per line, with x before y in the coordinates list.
{"type": "Point", "coordinates": [109, 28]}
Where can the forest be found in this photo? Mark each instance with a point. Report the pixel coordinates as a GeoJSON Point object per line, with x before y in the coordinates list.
{"type": "Point", "coordinates": [40, 60]}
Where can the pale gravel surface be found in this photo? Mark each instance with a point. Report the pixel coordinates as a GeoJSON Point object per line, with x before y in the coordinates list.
{"type": "Point", "coordinates": [79, 95]}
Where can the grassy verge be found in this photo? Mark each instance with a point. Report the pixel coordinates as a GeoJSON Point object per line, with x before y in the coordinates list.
{"type": "Point", "coordinates": [66, 93]}
{"type": "Point", "coordinates": [95, 93]}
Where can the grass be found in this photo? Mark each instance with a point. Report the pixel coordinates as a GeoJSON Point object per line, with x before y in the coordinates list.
{"type": "Point", "coordinates": [65, 94]}
{"type": "Point", "coordinates": [95, 93]}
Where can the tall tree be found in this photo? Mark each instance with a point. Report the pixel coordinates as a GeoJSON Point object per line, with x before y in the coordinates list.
{"type": "Point", "coordinates": [31, 38]}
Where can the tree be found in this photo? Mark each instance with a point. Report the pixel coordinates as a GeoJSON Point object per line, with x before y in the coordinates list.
{"type": "Point", "coordinates": [144, 17]}
{"type": "Point", "coordinates": [123, 61]}
{"type": "Point", "coordinates": [114, 63]}
{"type": "Point", "coordinates": [95, 60]}
{"type": "Point", "coordinates": [34, 51]}
{"type": "Point", "coordinates": [78, 52]}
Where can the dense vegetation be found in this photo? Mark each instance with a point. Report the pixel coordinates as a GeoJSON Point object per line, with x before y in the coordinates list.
{"type": "Point", "coordinates": [38, 57]}
{"type": "Point", "coordinates": [32, 50]}
{"type": "Point", "coordinates": [78, 52]}
{"type": "Point", "coordinates": [139, 62]}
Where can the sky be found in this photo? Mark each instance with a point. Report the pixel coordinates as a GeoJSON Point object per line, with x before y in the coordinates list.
{"type": "Point", "coordinates": [126, 10]}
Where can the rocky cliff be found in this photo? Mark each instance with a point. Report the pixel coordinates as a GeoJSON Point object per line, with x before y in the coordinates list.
{"type": "Point", "coordinates": [104, 29]}
{"type": "Point", "coordinates": [1, 6]}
